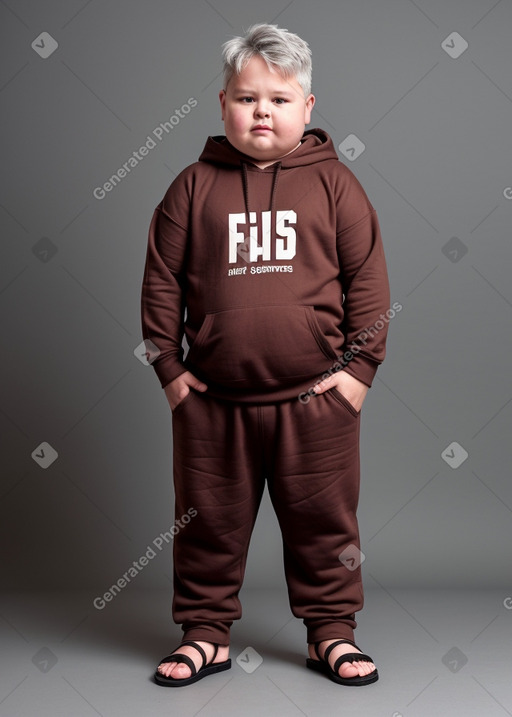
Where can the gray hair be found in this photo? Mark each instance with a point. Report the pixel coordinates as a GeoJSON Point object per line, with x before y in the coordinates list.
{"type": "Point", "coordinates": [282, 50]}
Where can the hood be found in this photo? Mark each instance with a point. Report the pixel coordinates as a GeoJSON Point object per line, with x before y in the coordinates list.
{"type": "Point", "coordinates": [317, 146]}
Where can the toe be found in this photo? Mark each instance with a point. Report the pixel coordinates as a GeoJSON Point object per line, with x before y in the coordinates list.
{"type": "Point", "coordinates": [349, 669]}
{"type": "Point", "coordinates": [175, 670]}
{"type": "Point", "coordinates": [181, 672]}
{"type": "Point", "coordinates": [361, 667]}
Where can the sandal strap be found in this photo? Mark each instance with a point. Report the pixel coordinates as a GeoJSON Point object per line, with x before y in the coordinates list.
{"type": "Point", "coordinates": [334, 644]}
{"type": "Point", "coordinates": [317, 644]}
{"type": "Point", "coordinates": [187, 659]}
{"type": "Point", "coordinates": [179, 657]}
{"type": "Point", "coordinates": [199, 649]}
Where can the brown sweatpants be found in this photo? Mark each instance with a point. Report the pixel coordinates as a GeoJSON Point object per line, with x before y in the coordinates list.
{"type": "Point", "coordinates": [309, 454]}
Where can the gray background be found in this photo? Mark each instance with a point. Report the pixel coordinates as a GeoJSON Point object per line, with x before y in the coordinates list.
{"type": "Point", "coordinates": [436, 166]}
{"type": "Point", "coordinates": [436, 538]}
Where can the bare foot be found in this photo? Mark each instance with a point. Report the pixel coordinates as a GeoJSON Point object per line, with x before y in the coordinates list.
{"type": "Point", "coordinates": [347, 669]}
{"type": "Point", "coordinates": [179, 670]}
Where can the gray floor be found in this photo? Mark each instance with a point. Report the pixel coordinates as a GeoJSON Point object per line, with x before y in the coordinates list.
{"type": "Point", "coordinates": [446, 652]}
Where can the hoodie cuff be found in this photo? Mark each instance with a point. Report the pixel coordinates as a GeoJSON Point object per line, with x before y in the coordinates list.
{"type": "Point", "coordinates": [168, 371]}
{"type": "Point", "coordinates": [362, 368]}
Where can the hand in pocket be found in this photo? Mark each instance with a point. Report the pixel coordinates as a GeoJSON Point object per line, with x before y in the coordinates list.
{"type": "Point", "coordinates": [179, 388]}
{"type": "Point", "coordinates": [351, 388]}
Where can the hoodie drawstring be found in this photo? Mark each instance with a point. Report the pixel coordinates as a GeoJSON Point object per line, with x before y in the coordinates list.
{"type": "Point", "coordinates": [245, 184]}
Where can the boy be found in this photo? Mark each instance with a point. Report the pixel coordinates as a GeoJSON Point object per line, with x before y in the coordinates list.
{"type": "Point", "coordinates": [273, 247]}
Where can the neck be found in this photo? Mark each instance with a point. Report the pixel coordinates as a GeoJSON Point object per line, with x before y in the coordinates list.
{"type": "Point", "coordinates": [267, 163]}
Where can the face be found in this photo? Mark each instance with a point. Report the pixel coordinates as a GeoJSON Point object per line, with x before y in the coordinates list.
{"type": "Point", "coordinates": [258, 97]}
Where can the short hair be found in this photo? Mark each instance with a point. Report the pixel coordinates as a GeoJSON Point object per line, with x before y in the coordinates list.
{"type": "Point", "coordinates": [282, 50]}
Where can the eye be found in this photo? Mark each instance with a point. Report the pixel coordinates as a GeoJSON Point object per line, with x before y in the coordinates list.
{"type": "Point", "coordinates": [246, 98]}
{"type": "Point", "coordinates": [280, 100]}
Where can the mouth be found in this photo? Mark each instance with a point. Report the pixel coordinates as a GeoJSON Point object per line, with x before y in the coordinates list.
{"type": "Point", "coordinates": [261, 128]}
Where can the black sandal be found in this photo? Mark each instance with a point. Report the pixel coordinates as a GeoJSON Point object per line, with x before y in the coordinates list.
{"type": "Point", "coordinates": [204, 670]}
{"type": "Point", "coordinates": [322, 665]}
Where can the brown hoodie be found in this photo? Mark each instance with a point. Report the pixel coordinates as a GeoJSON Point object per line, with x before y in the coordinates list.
{"type": "Point", "coordinates": [281, 271]}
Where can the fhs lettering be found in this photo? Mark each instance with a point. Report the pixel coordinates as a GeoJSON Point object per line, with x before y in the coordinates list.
{"type": "Point", "coordinates": [282, 247]}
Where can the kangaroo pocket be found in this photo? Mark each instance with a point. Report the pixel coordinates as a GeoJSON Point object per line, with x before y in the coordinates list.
{"type": "Point", "coordinates": [260, 346]}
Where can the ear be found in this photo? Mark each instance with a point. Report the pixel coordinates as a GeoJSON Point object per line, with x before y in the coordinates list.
{"type": "Point", "coordinates": [310, 101]}
{"type": "Point", "coordinates": [222, 98]}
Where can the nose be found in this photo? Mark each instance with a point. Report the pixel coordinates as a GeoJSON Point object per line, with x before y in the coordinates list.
{"type": "Point", "coordinates": [262, 109]}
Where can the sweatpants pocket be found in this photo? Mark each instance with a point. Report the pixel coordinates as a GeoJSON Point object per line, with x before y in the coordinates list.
{"type": "Point", "coordinates": [338, 396]}
{"type": "Point", "coordinates": [183, 402]}
{"type": "Point", "coordinates": [260, 346]}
